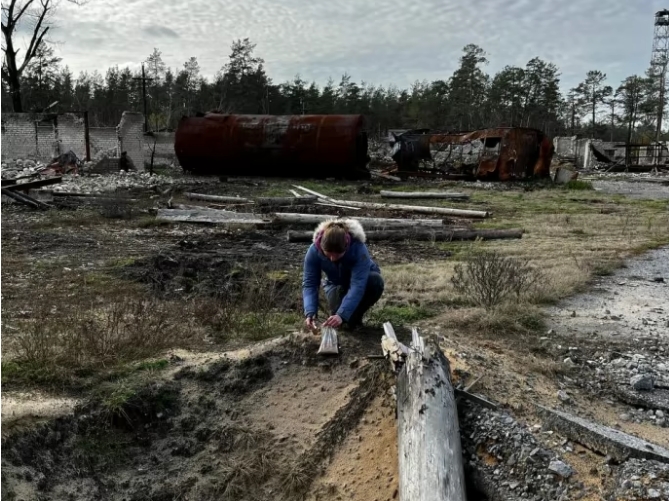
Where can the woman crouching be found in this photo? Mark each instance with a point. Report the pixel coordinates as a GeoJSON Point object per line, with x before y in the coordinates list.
{"type": "Point", "coordinates": [353, 282]}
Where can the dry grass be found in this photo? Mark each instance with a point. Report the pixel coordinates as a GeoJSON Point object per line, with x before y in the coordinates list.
{"type": "Point", "coordinates": [570, 236]}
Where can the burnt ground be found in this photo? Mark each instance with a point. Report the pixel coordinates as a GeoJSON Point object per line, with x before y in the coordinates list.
{"type": "Point", "coordinates": [231, 417]}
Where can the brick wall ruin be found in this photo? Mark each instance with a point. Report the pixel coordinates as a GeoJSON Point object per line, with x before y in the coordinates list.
{"type": "Point", "coordinates": [44, 137]}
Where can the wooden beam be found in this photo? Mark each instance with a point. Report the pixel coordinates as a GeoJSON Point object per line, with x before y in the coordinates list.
{"type": "Point", "coordinates": [24, 199]}
{"type": "Point", "coordinates": [367, 222]}
{"type": "Point", "coordinates": [445, 235]}
{"type": "Point", "coordinates": [35, 184]}
{"type": "Point", "coordinates": [424, 194]}
{"type": "Point", "coordinates": [214, 198]}
{"type": "Point", "coordinates": [312, 192]}
{"type": "Point", "coordinates": [415, 208]}
{"type": "Point", "coordinates": [208, 216]}
{"type": "Point", "coordinates": [384, 176]}
{"type": "Point", "coordinates": [305, 200]}
{"type": "Point", "coordinates": [428, 432]}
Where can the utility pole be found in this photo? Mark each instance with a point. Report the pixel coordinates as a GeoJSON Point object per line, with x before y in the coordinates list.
{"type": "Point", "coordinates": [146, 116]}
{"type": "Point", "coordinates": [658, 63]}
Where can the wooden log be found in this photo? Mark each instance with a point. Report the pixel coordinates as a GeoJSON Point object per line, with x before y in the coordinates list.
{"type": "Point", "coordinates": [415, 208]}
{"type": "Point", "coordinates": [367, 222]}
{"type": "Point", "coordinates": [424, 194]}
{"type": "Point", "coordinates": [215, 198]}
{"type": "Point", "coordinates": [312, 192]}
{"type": "Point", "coordinates": [208, 216]}
{"type": "Point", "coordinates": [384, 176]}
{"type": "Point", "coordinates": [428, 432]}
{"type": "Point", "coordinates": [303, 200]}
{"type": "Point", "coordinates": [24, 199]}
{"type": "Point", "coordinates": [445, 235]}
{"type": "Point", "coordinates": [332, 204]}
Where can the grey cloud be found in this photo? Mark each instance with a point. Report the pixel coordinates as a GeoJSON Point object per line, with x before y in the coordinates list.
{"type": "Point", "coordinates": [160, 31]}
{"type": "Point", "coordinates": [379, 41]}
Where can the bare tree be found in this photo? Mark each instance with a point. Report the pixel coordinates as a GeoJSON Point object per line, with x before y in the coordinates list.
{"type": "Point", "coordinates": [36, 15]}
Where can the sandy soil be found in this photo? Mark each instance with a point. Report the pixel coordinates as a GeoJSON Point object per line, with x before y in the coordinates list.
{"type": "Point", "coordinates": [633, 302]}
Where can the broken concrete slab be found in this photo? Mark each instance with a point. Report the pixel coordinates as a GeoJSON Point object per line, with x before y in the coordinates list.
{"type": "Point", "coordinates": [564, 175]}
{"type": "Point", "coordinates": [656, 399]}
{"type": "Point", "coordinates": [615, 443]}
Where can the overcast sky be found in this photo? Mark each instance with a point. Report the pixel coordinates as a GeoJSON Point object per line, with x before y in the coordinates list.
{"type": "Point", "coordinates": [377, 41]}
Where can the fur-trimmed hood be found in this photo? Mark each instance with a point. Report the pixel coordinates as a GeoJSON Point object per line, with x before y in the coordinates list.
{"type": "Point", "coordinates": [353, 227]}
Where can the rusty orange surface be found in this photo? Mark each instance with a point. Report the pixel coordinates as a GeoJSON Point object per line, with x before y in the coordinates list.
{"type": "Point", "coordinates": [273, 145]}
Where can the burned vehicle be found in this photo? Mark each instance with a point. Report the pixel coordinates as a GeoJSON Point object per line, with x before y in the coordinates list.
{"type": "Point", "coordinates": [502, 154]}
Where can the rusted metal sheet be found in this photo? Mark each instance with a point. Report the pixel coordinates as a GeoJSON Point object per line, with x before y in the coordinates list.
{"type": "Point", "coordinates": [273, 145]}
{"type": "Point", "coordinates": [503, 154]}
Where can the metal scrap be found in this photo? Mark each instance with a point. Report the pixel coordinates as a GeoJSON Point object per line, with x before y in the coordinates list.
{"type": "Point", "coordinates": [504, 153]}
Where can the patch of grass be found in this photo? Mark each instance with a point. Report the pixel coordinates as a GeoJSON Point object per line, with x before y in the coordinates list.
{"type": "Point", "coordinates": [605, 269]}
{"type": "Point", "coordinates": [150, 222]}
{"type": "Point", "coordinates": [152, 365]}
{"type": "Point", "coordinates": [520, 322]}
{"type": "Point", "coordinates": [578, 185]}
{"type": "Point", "coordinates": [24, 372]}
{"type": "Point", "coordinates": [114, 403]}
{"type": "Point", "coordinates": [398, 315]}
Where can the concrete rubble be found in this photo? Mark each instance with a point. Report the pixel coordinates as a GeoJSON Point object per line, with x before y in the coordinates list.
{"type": "Point", "coordinates": [92, 183]}
{"type": "Point", "coordinates": [508, 461]}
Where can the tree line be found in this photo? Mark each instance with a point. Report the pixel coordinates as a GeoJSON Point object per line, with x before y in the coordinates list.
{"type": "Point", "coordinates": [470, 98]}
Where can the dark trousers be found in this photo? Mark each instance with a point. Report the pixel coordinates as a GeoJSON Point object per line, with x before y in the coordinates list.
{"type": "Point", "coordinates": [373, 292]}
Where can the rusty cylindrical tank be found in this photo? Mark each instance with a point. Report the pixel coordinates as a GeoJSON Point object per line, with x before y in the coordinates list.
{"type": "Point", "coordinates": [307, 146]}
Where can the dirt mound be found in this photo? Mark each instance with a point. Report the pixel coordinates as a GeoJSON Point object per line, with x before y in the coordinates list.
{"type": "Point", "coordinates": [252, 429]}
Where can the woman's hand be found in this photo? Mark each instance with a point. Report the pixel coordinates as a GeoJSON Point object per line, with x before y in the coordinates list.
{"type": "Point", "coordinates": [310, 322]}
{"type": "Point", "coordinates": [334, 321]}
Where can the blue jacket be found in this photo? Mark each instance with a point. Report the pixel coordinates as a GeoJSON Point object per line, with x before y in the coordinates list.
{"type": "Point", "coordinates": [351, 271]}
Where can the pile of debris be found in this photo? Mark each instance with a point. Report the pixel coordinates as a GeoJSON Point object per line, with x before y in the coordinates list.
{"type": "Point", "coordinates": [123, 180]}
{"type": "Point", "coordinates": [20, 168]}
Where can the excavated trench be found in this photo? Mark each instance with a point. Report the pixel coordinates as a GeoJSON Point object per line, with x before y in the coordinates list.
{"type": "Point", "coordinates": [265, 427]}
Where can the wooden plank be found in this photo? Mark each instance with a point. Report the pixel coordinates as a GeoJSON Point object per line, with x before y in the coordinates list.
{"type": "Point", "coordinates": [24, 199]}
{"type": "Point", "coordinates": [305, 200]}
{"type": "Point", "coordinates": [214, 198]}
{"type": "Point", "coordinates": [415, 208]}
{"type": "Point", "coordinates": [31, 185]}
{"type": "Point", "coordinates": [385, 176]}
{"type": "Point", "coordinates": [445, 235]}
{"type": "Point", "coordinates": [332, 204]}
{"type": "Point", "coordinates": [424, 194]}
{"type": "Point", "coordinates": [312, 192]}
{"type": "Point", "coordinates": [367, 222]}
{"type": "Point", "coordinates": [428, 432]}
{"type": "Point", "coordinates": [208, 216]}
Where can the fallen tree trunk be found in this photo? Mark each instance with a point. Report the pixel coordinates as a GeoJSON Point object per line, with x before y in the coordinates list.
{"type": "Point", "coordinates": [415, 208]}
{"type": "Point", "coordinates": [428, 433]}
{"type": "Point", "coordinates": [424, 194]}
{"type": "Point", "coordinates": [303, 200]}
{"type": "Point", "coordinates": [214, 198]}
{"type": "Point", "coordinates": [444, 235]}
{"type": "Point", "coordinates": [207, 216]}
{"type": "Point", "coordinates": [367, 222]}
